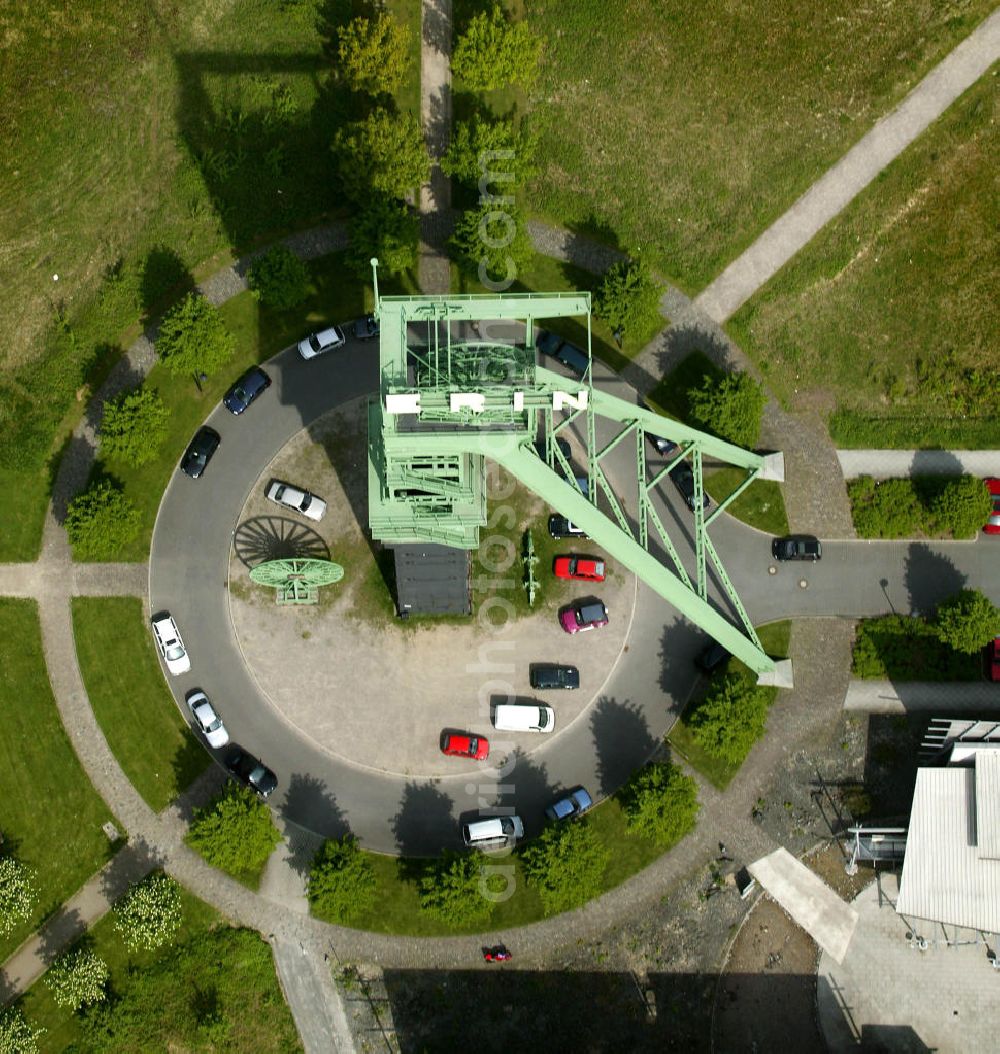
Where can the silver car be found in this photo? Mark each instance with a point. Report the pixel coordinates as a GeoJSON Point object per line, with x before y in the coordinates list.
{"type": "Point", "coordinates": [207, 720]}
{"type": "Point", "coordinates": [575, 803]}
{"type": "Point", "coordinates": [322, 341]}
{"type": "Point", "coordinates": [297, 499]}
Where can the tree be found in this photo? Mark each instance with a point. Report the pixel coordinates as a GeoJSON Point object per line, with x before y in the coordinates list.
{"type": "Point", "coordinates": [450, 887]}
{"type": "Point", "coordinates": [16, 1035]}
{"type": "Point", "coordinates": [628, 298]}
{"type": "Point", "coordinates": [962, 506]}
{"type": "Point", "coordinates": [494, 52]}
{"type": "Point", "coordinates": [78, 978]}
{"type": "Point", "coordinates": [385, 228]}
{"type": "Point", "coordinates": [374, 55]}
{"type": "Point", "coordinates": [278, 278]}
{"type": "Point", "coordinates": [234, 831]}
{"type": "Point", "coordinates": [731, 717]}
{"type": "Point", "coordinates": [888, 508]}
{"type": "Point", "coordinates": [193, 338]}
{"type": "Point", "coordinates": [967, 621]}
{"type": "Point", "coordinates": [384, 153]}
{"type": "Point", "coordinates": [341, 880]}
{"type": "Point", "coordinates": [492, 244]}
{"type": "Point", "coordinates": [660, 803]}
{"type": "Point", "coordinates": [730, 406]}
{"type": "Point", "coordinates": [566, 863]}
{"type": "Point", "coordinates": [134, 426]}
{"type": "Point", "coordinates": [100, 522]}
{"type": "Point", "coordinates": [149, 914]}
{"type": "Point", "coordinates": [504, 154]}
{"type": "Point", "coordinates": [17, 894]}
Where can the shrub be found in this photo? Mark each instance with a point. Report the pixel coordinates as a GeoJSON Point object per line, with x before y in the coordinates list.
{"type": "Point", "coordinates": [134, 426]}
{"type": "Point", "coordinates": [494, 52]}
{"type": "Point", "coordinates": [341, 880]}
{"type": "Point", "coordinates": [731, 406]}
{"type": "Point", "coordinates": [889, 508]}
{"type": "Point", "coordinates": [234, 832]}
{"type": "Point", "coordinates": [660, 803]}
{"type": "Point", "coordinates": [731, 717]}
{"type": "Point", "coordinates": [278, 278]}
{"type": "Point", "coordinates": [492, 244]}
{"type": "Point", "coordinates": [100, 522]}
{"type": "Point", "coordinates": [384, 153]}
{"type": "Point", "coordinates": [149, 914]}
{"type": "Point", "coordinates": [480, 146]}
{"type": "Point", "coordinates": [628, 298]}
{"type": "Point", "coordinates": [566, 864]}
{"type": "Point", "coordinates": [16, 1035]}
{"type": "Point", "coordinates": [17, 894]}
{"type": "Point", "coordinates": [78, 978]}
{"type": "Point", "coordinates": [193, 338]}
{"type": "Point", "coordinates": [451, 887]}
{"type": "Point", "coordinates": [385, 228]}
{"type": "Point", "coordinates": [961, 507]}
{"type": "Point", "coordinates": [967, 621]}
{"type": "Point", "coordinates": [374, 55]}
{"type": "Point", "coordinates": [906, 648]}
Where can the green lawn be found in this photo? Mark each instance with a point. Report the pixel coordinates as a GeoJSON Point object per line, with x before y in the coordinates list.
{"type": "Point", "coordinates": [890, 311]}
{"type": "Point", "coordinates": [162, 993]}
{"type": "Point", "coordinates": [775, 638]}
{"type": "Point", "coordinates": [136, 712]}
{"type": "Point", "coordinates": [21, 537]}
{"type": "Point", "coordinates": [51, 816]}
{"type": "Point", "coordinates": [686, 130]}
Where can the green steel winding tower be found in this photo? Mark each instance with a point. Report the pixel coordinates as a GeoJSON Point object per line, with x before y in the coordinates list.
{"type": "Point", "coordinates": [448, 402]}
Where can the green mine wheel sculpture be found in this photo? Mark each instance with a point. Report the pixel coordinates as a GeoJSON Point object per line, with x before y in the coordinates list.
{"type": "Point", "coordinates": [297, 581]}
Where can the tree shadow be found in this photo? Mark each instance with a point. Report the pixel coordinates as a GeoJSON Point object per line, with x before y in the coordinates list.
{"type": "Point", "coordinates": [935, 463]}
{"type": "Point", "coordinates": [189, 761]}
{"type": "Point", "coordinates": [623, 741]}
{"type": "Point", "coordinates": [131, 865]}
{"type": "Point", "coordinates": [930, 577]}
{"type": "Point", "coordinates": [424, 813]}
{"type": "Point", "coordinates": [678, 342]}
{"type": "Point", "coordinates": [526, 786]}
{"type": "Point", "coordinates": [165, 278]}
{"type": "Point", "coordinates": [263, 538]}
{"type": "Point", "coordinates": [311, 807]}
{"type": "Point", "coordinates": [203, 789]}
{"type": "Point", "coordinates": [66, 927]}
{"type": "Point", "coordinates": [680, 643]}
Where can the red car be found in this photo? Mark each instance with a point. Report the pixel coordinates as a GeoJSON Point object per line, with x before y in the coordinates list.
{"type": "Point", "coordinates": [993, 523]}
{"type": "Point", "coordinates": [993, 659]}
{"type": "Point", "coordinates": [465, 745]}
{"type": "Point", "coordinates": [581, 568]}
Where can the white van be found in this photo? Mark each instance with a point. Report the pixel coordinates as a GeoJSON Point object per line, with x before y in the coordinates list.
{"type": "Point", "coordinates": [523, 717]}
{"type": "Point", "coordinates": [495, 833]}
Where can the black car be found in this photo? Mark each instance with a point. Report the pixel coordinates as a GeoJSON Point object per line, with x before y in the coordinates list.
{"type": "Point", "coordinates": [660, 445]}
{"type": "Point", "coordinates": [251, 771]}
{"type": "Point", "coordinates": [709, 660]}
{"type": "Point", "coordinates": [366, 328]}
{"type": "Point", "coordinates": [199, 452]}
{"type": "Point", "coordinates": [548, 343]}
{"type": "Point", "coordinates": [545, 675]}
{"type": "Point", "coordinates": [683, 477]}
{"type": "Point", "coordinates": [245, 390]}
{"type": "Point", "coordinates": [796, 547]}
{"type": "Point", "coordinates": [560, 527]}
{"type": "Point", "coordinates": [569, 355]}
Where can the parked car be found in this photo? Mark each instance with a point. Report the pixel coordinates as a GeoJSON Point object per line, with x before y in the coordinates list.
{"type": "Point", "coordinates": [245, 390]}
{"type": "Point", "coordinates": [251, 771]}
{"type": "Point", "coordinates": [523, 717]}
{"type": "Point", "coordinates": [575, 803]}
{"type": "Point", "coordinates": [579, 568]}
{"type": "Point", "coordinates": [683, 477]}
{"type": "Point", "coordinates": [296, 498]}
{"type": "Point", "coordinates": [465, 745]}
{"type": "Point", "coordinates": [993, 659]}
{"type": "Point", "coordinates": [660, 445]}
{"type": "Point", "coordinates": [199, 452]}
{"type": "Point", "coordinates": [562, 351]}
{"type": "Point", "coordinates": [712, 657]}
{"type": "Point", "coordinates": [560, 527]}
{"type": "Point", "coordinates": [207, 720]}
{"type": "Point", "coordinates": [582, 615]}
{"type": "Point", "coordinates": [497, 832]}
{"type": "Point", "coordinates": [367, 328]}
{"type": "Point", "coordinates": [322, 341]}
{"type": "Point", "coordinates": [796, 547]}
{"type": "Point", "coordinates": [992, 525]}
{"type": "Point", "coordinates": [168, 641]}
{"type": "Point", "coordinates": [548, 675]}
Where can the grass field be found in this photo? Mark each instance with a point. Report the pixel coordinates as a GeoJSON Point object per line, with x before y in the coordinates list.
{"type": "Point", "coordinates": [51, 816]}
{"type": "Point", "coordinates": [890, 312]}
{"type": "Point", "coordinates": [137, 714]}
{"type": "Point", "coordinates": [178, 998]}
{"type": "Point", "coordinates": [686, 130]}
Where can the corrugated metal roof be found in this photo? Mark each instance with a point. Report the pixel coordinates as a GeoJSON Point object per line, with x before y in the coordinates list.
{"type": "Point", "coordinates": [945, 878]}
{"type": "Point", "coordinates": [988, 804]}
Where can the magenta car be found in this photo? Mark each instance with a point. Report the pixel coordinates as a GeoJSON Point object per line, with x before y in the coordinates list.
{"type": "Point", "coordinates": [582, 615]}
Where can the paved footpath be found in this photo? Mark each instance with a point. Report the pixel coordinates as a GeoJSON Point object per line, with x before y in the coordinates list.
{"type": "Point", "coordinates": [902, 697]}
{"type": "Point", "coordinates": [855, 170]}
{"type": "Point", "coordinates": [890, 464]}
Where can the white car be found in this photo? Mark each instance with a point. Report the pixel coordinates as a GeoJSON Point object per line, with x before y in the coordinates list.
{"type": "Point", "coordinates": [322, 341]}
{"type": "Point", "coordinates": [297, 499]}
{"type": "Point", "coordinates": [207, 720]}
{"type": "Point", "coordinates": [168, 640]}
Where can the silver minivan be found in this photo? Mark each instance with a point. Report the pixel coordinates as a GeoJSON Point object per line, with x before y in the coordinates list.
{"type": "Point", "coordinates": [523, 717]}
{"type": "Point", "coordinates": [498, 832]}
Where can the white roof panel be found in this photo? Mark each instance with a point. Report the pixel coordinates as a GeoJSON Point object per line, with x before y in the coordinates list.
{"type": "Point", "coordinates": [988, 804]}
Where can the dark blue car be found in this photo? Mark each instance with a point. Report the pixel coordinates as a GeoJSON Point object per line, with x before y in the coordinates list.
{"type": "Point", "coordinates": [549, 343]}
{"type": "Point", "coordinates": [245, 390]}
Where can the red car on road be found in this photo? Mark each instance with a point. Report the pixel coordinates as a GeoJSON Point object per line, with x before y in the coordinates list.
{"type": "Point", "coordinates": [465, 745]}
{"type": "Point", "coordinates": [992, 525]}
{"type": "Point", "coordinates": [580, 568]}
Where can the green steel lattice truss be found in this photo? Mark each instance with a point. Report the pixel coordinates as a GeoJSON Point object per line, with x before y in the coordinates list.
{"type": "Point", "coordinates": [297, 581]}
{"type": "Point", "coordinates": [446, 404]}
